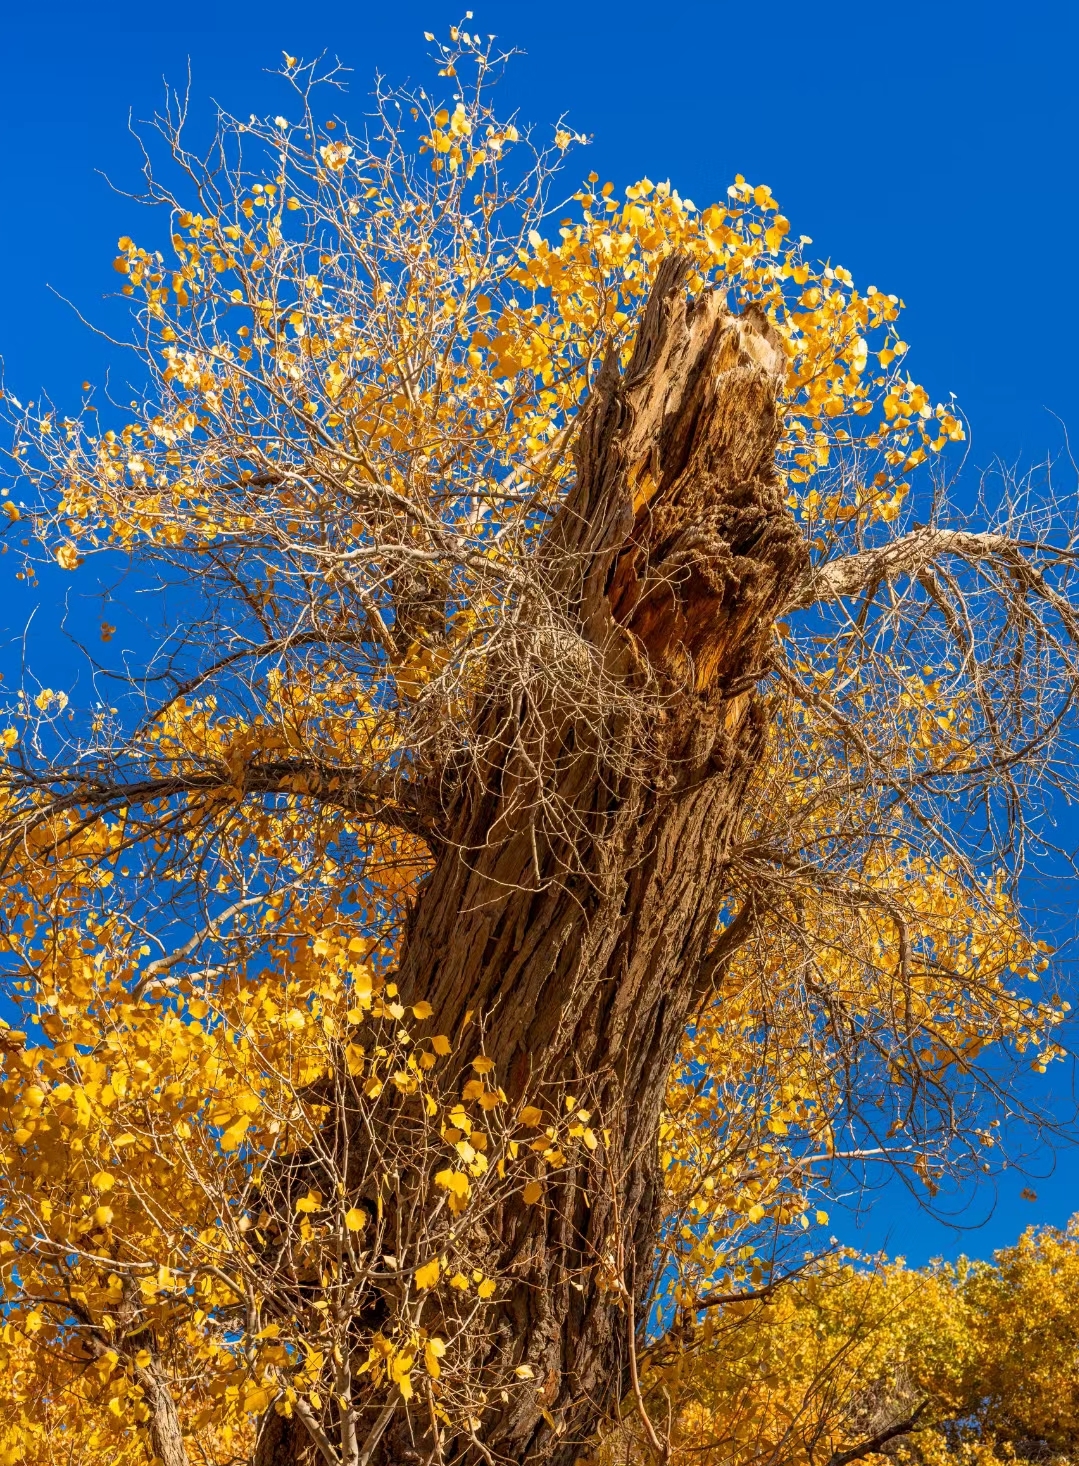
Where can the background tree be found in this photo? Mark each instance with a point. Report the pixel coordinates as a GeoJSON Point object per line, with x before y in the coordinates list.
{"type": "Point", "coordinates": [541, 657]}
{"type": "Point", "coordinates": [966, 1362]}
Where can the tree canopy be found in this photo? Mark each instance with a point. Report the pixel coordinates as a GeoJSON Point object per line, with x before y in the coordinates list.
{"type": "Point", "coordinates": [966, 1362]}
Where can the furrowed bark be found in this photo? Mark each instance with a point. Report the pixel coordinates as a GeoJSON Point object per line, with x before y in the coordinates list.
{"type": "Point", "coordinates": [283, 1441]}
{"type": "Point", "coordinates": [163, 1419]}
{"type": "Point", "coordinates": [166, 1435]}
{"type": "Point", "coordinates": [580, 942]}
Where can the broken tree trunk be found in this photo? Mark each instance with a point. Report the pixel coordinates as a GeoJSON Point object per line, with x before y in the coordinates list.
{"type": "Point", "coordinates": [581, 936]}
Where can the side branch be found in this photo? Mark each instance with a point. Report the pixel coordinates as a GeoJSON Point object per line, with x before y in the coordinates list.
{"type": "Point", "coordinates": [915, 553]}
{"type": "Point", "coordinates": [875, 1443]}
{"type": "Point", "coordinates": [85, 799]}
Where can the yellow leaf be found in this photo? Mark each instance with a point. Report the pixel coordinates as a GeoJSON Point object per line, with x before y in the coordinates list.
{"type": "Point", "coordinates": [400, 1369]}
{"type": "Point", "coordinates": [532, 1192]}
{"type": "Point", "coordinates": [422, 1010]}
{"type": "Point", "coordinates": [355, 1219]}
{"type": "Point", "coordinates": [103, 1181]}
{"type": "Point", "coordinates": [822, 1218]}
{"type": "Point", "coordinates": [441, 1044]}
{"type": "Point", "coordinates": [232, 1138]}
{"type": "Point", "coordinates": [335, 156]}
{"type": "Point", "coordinates": [427, 1276]}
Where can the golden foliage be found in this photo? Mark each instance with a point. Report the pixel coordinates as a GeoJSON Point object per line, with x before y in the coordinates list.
{"type": "Point", "coordinates": [967, 1362]}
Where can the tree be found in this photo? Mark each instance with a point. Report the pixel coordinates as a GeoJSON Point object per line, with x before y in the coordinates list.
{"type": "Point", "coordinates": [542, 666]}
{"type": "Point", "coordinates": [972, 1361]}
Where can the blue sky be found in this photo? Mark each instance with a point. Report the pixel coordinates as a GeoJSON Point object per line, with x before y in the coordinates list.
{"type": "Point", "coordinates": [930, 148]}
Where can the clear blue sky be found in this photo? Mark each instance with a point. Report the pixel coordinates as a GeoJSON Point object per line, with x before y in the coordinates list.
{"type": "Point", "coordinates": [931, 148]}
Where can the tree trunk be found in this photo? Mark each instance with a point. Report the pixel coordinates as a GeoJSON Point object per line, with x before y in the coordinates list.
{"type": "Point", "coordinates": [577, 917]}
{"type": "Point", "coordinates": [166, 1435]}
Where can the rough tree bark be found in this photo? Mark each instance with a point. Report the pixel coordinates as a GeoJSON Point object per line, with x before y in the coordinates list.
{"type": "Point", "coordinates": [166, 1437]}
{"type": "Point", "coordinates": [587, 960]}
{"type": "Point", "coordinates": [586, 950]}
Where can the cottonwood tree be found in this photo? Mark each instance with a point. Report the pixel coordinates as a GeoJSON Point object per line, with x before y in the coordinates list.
{"type": "Point", "coordinates": [866, 1358]}
{"type": "Point", "coordinates": [542, 660]}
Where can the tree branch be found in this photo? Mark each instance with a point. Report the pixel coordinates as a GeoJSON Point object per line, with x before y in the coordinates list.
{"type": "Point", "coordinates": [95, 797]}
{"type": "Point", "coordinates": [726, 945]}
{"type": "Point", "coordinates": [715, 1300]}
{"type": "Point", "coordinates": [871, 1446]}
{"type": "Point", "coordinates": [913, 554]}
